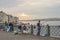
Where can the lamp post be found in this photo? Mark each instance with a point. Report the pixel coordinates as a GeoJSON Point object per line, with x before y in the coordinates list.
{"type": "Point", "coordinates": [8, 18]}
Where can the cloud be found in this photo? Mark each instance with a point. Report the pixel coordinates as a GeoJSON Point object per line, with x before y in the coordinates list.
{"type": "Point", "coordinates": [36, 8]}
{"type": "Point", "coordinates": [41, 3]}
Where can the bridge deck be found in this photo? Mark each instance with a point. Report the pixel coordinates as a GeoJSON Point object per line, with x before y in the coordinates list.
{"type": "Point", "coordinates": [11, 36]}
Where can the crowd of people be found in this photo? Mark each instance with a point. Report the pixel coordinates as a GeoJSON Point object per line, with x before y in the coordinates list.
{"type": "Point", "coordinates": [10, 27]}
{"type": "Point", "coordinates": [30, 26]}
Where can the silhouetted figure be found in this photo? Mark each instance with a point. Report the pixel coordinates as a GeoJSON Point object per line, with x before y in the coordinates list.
{"type": "Point", "coordinates": [11, 26]}
{"type": "Point", "coordinates": [48, 30]}
{"type": "Point", "coordinates": [39, 27]}
{"type": "Point", "coordinates": [24, 27]}
{"type": "Point", "coordinates": [20, 27]}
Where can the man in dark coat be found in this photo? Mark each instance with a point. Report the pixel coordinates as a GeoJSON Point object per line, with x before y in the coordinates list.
{"type": "Point", "coordinates": [39, 27]}
{"type": "Point", "coordinates": [11, 26]}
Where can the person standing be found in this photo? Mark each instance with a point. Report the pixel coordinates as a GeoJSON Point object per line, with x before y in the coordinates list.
{"type": "Point", "coordinates": [39, 27]}
{"type": "Point", "coordinates": [11, 26]}
{"type": "Point", "coordinates": [24, 27]}
{"type": "Point", "coordinates": [20, 27]}
{"type": "Point", "coordinates": [48, 30]}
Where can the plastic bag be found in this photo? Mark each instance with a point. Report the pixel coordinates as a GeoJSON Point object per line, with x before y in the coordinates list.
{"type": "Point", "coordinates": [8, 28]}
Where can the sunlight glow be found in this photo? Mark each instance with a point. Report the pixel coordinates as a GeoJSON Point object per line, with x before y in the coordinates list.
{"type": "Point", "coordinates": [24, 16]}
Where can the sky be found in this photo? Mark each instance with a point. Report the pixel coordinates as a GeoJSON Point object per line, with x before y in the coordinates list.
{"type": "Point", "coordinates": [34, 8]}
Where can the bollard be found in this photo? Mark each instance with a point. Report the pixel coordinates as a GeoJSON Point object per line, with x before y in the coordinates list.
{"type": "Point", "coordinates": [31, 29]}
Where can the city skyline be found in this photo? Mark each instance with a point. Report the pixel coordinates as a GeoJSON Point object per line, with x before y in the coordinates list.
{"type": "Point", "coordinates": [33, 8]}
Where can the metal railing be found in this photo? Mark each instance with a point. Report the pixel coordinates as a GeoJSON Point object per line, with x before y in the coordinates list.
{"type": "Point", "coordinates": [51, 31]}
{"type": "Point", "coordinates": [2, 25]}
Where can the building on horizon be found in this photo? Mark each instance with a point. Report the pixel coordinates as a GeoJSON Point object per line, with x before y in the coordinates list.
{"type": "Point", "coordinates": [3, 17]}
{"type": "Point", "coordinates": [7, 18]}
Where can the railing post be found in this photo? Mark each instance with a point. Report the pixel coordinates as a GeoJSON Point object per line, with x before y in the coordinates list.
{"type": "Point", "coordinates": [48, 30]}
{"type": "Point", "coordinates": [31, 29]}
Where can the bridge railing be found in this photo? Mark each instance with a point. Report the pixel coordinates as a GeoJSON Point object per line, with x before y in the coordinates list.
{"type": "Point", "coordinates": [2, 25]}
{"type": "Point", "coordinates": [55, 31]}
{"type": "Point", "coordinates": [51, 31]}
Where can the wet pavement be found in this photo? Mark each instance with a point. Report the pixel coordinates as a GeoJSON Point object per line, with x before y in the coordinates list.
{"type": "Point", "coordinates": [10, 36]}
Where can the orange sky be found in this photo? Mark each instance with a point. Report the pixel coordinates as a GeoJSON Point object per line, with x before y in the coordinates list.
{"type": "Point", "coordinates": [24, 16]}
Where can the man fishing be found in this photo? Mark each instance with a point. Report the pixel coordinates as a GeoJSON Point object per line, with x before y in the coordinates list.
{"type": "Point", "coordinates": [39, 27]}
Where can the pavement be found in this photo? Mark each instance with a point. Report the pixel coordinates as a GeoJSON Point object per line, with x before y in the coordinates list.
{"type": "Point", "coordinates": [10, 36]}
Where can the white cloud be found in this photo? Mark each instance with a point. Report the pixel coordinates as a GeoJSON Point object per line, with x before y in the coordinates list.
{"type": "Point", "coordinates": [41, 2]}
{"type": "Point", "coordinates": [32, 7]}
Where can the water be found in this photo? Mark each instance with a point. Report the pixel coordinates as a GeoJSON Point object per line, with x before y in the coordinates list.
{"type": "Point", "coordinates": [43, 22]}
{"type": "Point", "coordinates": [51, 22]}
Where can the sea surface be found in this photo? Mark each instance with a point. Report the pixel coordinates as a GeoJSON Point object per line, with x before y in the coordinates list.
{"type": "Point", "coordinates": [43, 22]}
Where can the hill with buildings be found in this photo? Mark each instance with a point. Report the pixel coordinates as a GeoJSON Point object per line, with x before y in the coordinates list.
{"type": "Point", "coordinates": [47, 19]}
